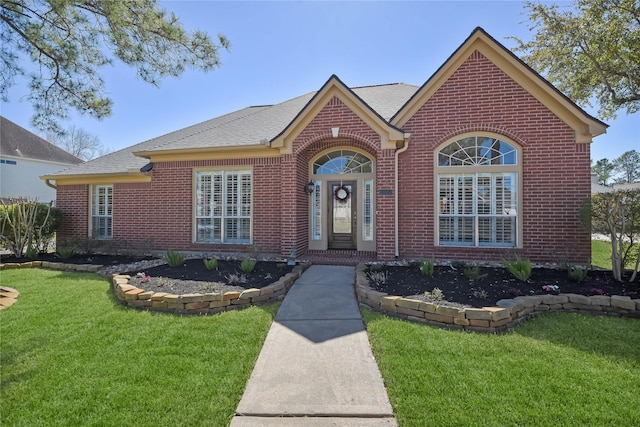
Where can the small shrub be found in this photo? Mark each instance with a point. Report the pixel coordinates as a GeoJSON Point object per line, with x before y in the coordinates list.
{"type": "Point", "coordinates": [376, 267]}
{"type": "Point", "coordinates": [435, 295]}
{"type": "Point", "coordinates": [174, 259]}
{"type": "Point", "coordinates": [596, 291]}
{"type": "Point", "coordinates": [66, 252]}
{"type": "Point", "coordinates": [281, 265]}
{"type": "Point", "coordinates": [426, 267]}
{"type": "Point", "coordinates": [474, 273]}
{"type": "Point", "coordinates": [577, 273]}
{"type": "Point", "coordinates": [235, 278]}
{"type": "Point", "coordinates": [520, 268]}
{"type": "Point", "coordinates": [247, 265]}
{"type": "Point", "coordinates": [211, 264]}
{"type": "Point", "coordinates": [32, 252]}
{"type": "Point", "coordinates": [378, 277]}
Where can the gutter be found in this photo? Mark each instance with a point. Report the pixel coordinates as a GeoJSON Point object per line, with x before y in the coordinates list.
{"type": "Point", "coordinates": [407, 137]}
{"type": "Point", "coordinates": [49, 184]}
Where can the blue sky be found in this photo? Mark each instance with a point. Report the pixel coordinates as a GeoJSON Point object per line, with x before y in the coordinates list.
{"type": "Point", "coordinates": [280, 50]}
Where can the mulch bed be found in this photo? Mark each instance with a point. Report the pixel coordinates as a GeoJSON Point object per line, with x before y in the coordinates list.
{"type": "Point", "coordinates": [498, 284]}
{"type": "Point", "coordinates": [193, 277]}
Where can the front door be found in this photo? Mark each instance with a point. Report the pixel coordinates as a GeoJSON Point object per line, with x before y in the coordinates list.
{"type": "Point", "coordinates": [342, 215]}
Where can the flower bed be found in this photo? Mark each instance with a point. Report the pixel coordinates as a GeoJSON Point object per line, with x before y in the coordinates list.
{"type": "Point", "coordinates": [506, 314]}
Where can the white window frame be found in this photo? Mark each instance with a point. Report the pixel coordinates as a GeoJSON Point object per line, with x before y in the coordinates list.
{"type": "Point", "coordinates": [468, 205]}
{"type": "Point", "coordinates": [227, 207]}
{"type": "Point", "coordinates": [101, 210]}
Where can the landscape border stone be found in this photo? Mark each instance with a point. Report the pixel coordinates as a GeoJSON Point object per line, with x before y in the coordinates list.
{"type": "Point", "coordinates": [208, 303]}
{"type": "Point", "coordinates": [505, 315]}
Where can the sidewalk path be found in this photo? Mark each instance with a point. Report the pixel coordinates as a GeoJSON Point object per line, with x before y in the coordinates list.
{"type": "Point", "coordinates": [316, 367]}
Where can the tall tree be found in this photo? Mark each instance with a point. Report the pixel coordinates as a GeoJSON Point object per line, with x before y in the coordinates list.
{"type": "Point", "coordinates": [604, 169]}
{"type": "Point", "coordinates": [78, 142]}
{"type": "Point", "coordinates": [628, 166]}
{"type": "Point", "coordinates": [590, 50]}
{"type": "Point", "coordinates": [69, 41]}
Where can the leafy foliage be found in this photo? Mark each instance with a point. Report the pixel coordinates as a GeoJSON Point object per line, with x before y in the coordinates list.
{"type": "Point", "coordinates": [617, 214]}
{"type": "Point", "coordinates": [628, 166]}
{"type": "Point", "coordinates": [589, 51]}
{"type": "Point", "coordinates": [69, 42]}
{"type": "Point", "coordinates": [435, 295]}
{"type": "Point", "coordinates": [520, 268]}
{"type": "Point", "coordinates": [577, 273]}
{"type": "Point", "coordinates": [211, 264]}
{"type": "Point", "coordinates": [427, 267]}
{"type": "Point", "coordinates": [604, 169]}
{"type": "Point", "coordinates": [247, 265]}
{"type": "Point", "coordinates": [474, 273]}
{"type": "Point", "coordinates": [66, 252]}
{"type": "Point", "coordinates": [174, 259]}
{"type": "Point", "coordinates": [378, 277]}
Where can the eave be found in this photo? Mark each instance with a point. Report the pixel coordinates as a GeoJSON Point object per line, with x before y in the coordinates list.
{"type": "Point", "coordinates": [209, 153]}
{"type": "Point", "coordinates": [585, 126]}
{"type": "Point", "coordinates": [390, 136]}
{"type": "Point", "coordinates": [99, 178]}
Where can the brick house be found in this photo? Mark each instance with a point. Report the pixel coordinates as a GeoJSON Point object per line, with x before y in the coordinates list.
{"type": "Point", "coordinates": [484, 160]}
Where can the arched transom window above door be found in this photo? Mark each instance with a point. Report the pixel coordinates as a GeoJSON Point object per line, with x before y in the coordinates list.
{"type": "Point", "coordinates": [342, 161]}
{"type": "Point", "coordinates": [477, 151]}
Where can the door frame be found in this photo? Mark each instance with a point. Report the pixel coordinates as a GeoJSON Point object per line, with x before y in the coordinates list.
{"type": "Point", "coordinates": [340, 240]}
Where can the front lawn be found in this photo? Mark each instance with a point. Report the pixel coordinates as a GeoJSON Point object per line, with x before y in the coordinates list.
{"type": "Point", "coordinates": [555, 370]}
{"type": "Point", "coordinates": [71, 355]}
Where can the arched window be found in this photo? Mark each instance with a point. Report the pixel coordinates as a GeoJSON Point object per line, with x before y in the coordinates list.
{"type": "Point", "coordinates": [342, 161]}
{"type": "Point", "coordinates": [478, 192]}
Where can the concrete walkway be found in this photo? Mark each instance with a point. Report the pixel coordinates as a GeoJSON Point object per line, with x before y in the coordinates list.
{"type": "Point", "coordinates": [316, 367]}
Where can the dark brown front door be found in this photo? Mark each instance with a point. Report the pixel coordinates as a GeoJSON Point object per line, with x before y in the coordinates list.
{"type": "Point", "coordinates": [342, 215]}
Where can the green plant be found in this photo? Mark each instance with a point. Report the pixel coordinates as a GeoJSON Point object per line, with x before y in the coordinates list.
{"type": "Point", "coordinates": [66, 252]}
{"type": "Point", "coordinates": [281, 265]}
{"type": "Point", "coordinates": [435, 295]}
{"type": "Point", "coordinates": [577, 273]}
{"type": "Point", "coordinates": [247, 265]}
{"type": "Point", "coordinates": [376, 266]}
{"type": "Point", "coordinates": [427, 267]}
{"type": "Point", "coordinates": [474, 273]}
{"type": "Point", "coordinates": [480, 293]}
{"type": "Point", "coordinates": [378, 277]}
{"type": "Point", "coordinates": [520, 268]}
{"type": "Point", "coordinates": [32, 252]}
{"type": "Point", "coordinates": [211, 264]}
{"type": "Point", "coordinates": [174, 259]}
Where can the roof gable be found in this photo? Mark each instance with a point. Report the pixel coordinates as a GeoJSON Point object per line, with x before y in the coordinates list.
{"type": "Point", "coordinates": [584, 125]}
{"type": "Point", "coordinates": [16, 141]}
{"type": "Point", "coordinates": [334, 87]}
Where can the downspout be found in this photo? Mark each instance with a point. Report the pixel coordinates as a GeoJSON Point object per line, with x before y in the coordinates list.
{"type": "Point", "coordinates": [407, 137]}
{"type": "Point", "coordinates": [49, 184]}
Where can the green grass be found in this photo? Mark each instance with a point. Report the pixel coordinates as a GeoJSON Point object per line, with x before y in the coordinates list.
{"type": "Point", "coordinates": [71, 355]}
{"type": "Point", "coordinates": [555, 370]}
{"type": "Point", "coordinates": [601, 255]}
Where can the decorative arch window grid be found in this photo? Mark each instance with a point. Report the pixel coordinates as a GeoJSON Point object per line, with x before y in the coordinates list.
{"type": "Point", "coordinates": [342, 161]}
{"type": "Point", "coordinates": [478, 151]}
{"type": "Point", "coordinates": [478, 206]}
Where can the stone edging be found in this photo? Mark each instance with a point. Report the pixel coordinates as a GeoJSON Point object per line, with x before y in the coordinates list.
{"type": "Point", "coordinates": [8, 296]}
{"type": "Point", "coordinates": [208, 303]}
{"type": "Point", "coordinates": [507, 313]}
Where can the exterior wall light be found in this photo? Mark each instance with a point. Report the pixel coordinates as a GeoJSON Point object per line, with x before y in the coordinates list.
{"type": "Point", "coordinates": [309, 187]}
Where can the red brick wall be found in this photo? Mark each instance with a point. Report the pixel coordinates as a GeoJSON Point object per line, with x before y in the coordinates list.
{"type": "Point", "coordinates": [556, 173]}
{"type": "Point", "coordinates": [354, 132]}
{"type": "Point", "coordinates": [158, 215]}
{"type": "Point", "coordinates": [73, 202]}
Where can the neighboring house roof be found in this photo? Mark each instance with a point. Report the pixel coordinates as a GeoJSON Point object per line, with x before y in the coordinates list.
{"type": "Point", "coordinates": [386, 107]}
{"type": "Point", "coordinates": [16, 141]}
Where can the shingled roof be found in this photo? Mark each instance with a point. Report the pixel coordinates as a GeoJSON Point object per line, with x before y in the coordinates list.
{"type": "Point", "coordinates": [17, 141]}
{"type": "Point", "coordinates": [246, 127]}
